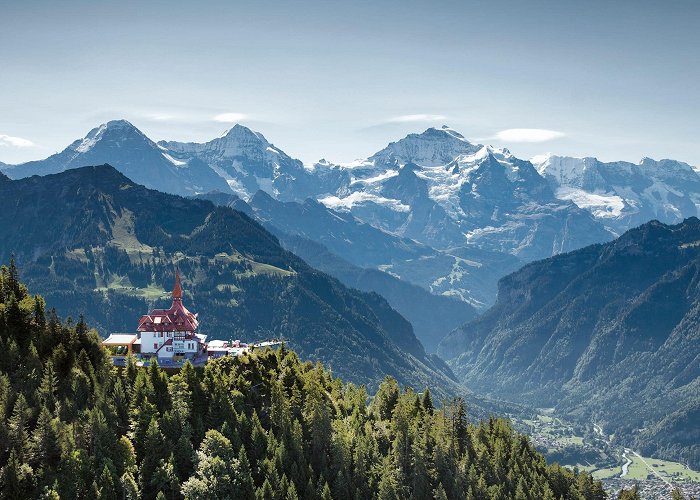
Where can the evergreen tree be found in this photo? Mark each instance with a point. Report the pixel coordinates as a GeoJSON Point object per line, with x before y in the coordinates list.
{"type": "Point", "coordinates": [427, 401]}
{"type": "Point", "coordinates": [44, 448]}
{"type": "Point", "coordinates": [78, 428]}
{"type": "Point", "coordinates": [631, 494]}
{"type": "Point", "coordinates": [218, 473]}
{"type": "Point", "coordinates": [17, 426]}
{"type": "Point", "coordinates": [154, 449]}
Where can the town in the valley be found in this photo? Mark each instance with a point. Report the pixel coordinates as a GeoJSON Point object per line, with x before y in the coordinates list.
{"type": "Point", "coordinates": [171, 337]}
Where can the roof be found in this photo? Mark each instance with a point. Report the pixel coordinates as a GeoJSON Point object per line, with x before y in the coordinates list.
{"type": "Point", "coordinates": [119, 339]}
{"type": "Point", "coordinates": [218, 344]}
{"type": "Point", "coordinates": [175, 319]}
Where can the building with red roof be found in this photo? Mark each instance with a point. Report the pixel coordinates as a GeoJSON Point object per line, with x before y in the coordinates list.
{"type": "Point", "coordinates": [165, 333]}
{"type": "Point", "coordinates": [170, 336]}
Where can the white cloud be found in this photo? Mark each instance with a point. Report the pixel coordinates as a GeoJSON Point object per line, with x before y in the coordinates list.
{"type": "Point", "coordinates": [230, 117]}
{"type": "Point", "coordinates": [162, 117]}
{"type": "Point", "coordinates": [528, 135]}
{"type": "Point", "coordinates": [16, 142]}
{"type": "Point", "coordinates": [416, 118]}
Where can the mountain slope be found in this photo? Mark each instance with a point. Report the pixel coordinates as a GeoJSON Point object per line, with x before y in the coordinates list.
{"type": "Point", "coordinates": [608, 333]}
{"type": "Point", "coordinates": [435, 187]}
{"type": "Point", "coordinates": [111, 249]}
{"type": "Point", "coordinates": [304, 228]}
{"type": "Point", "coordinates": [121, 144]}
{"type": "Point", "coordinates": [249, 163]}
{"type": "Point", "coordinates": [265, 424]}
{"type": "Point", "coordinates": [430, 315]}
{"type": "Point", "coordinates": [441, 190]}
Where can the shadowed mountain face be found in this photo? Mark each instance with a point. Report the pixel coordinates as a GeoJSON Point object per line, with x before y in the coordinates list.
{"type": "Point", "coordinates": [94, 242]}
{"type": "Point", "coordinates": [609, 332]}
{"type": "Point", "coordinates": [347, 245]}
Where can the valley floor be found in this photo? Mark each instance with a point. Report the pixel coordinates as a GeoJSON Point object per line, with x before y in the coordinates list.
{"type": "Point", "coordinates": [618, 467]}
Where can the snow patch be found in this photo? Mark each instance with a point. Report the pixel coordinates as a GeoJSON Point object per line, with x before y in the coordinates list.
{"type": "Point", "coordinates": [378, 178]}
{"type": "Point", "coordinates": [177, 163]}
{"type": "Point", "coordinates": [358, 198]}
{"type": "Point", "coordinates": [601, 205]}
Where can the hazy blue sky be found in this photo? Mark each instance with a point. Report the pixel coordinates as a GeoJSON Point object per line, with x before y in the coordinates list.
{"type": "Point", "coordinates": [614, 79]}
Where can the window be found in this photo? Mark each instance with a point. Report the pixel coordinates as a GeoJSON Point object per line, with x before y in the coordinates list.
{"type": "Point", "coordinates": [155, 345]}
{"type": "Point", "coordinates": [169, 349]}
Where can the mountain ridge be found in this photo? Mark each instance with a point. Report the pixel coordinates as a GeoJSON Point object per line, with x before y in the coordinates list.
{"type": "Point", "coordinates": [607, 333]}
{"type": "Point", "coordinates": [434, 187]}
{"type": "Point", "coordinates": [324, 239]}
{"type": "Point", "coordinates": [110, 254]}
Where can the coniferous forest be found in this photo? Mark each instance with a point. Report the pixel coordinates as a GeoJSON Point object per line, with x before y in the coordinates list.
{"type": "Point", "coordinates": [265, 425]}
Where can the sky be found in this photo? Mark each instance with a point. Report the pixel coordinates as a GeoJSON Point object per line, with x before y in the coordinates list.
{"type": "Point", "coordinates": [618, 80]}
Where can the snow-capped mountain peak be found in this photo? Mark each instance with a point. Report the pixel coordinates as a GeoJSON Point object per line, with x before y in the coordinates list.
{"type": "Point", "coordinates": [241, 132]}
{"type": "Point", "coordinates": [237, 141]}
{"type": "Point", "coordinates": [114, 130]}
{"type": "Point", "coordinates": [430, 148]}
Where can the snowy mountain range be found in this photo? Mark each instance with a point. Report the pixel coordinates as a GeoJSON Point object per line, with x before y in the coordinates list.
{"type": "Point", "coordinates": [623, 195]}
{"type": "Point", "coordinates": [473, 212]}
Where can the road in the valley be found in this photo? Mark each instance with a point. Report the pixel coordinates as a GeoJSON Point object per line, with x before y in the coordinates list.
{"type": "Point", "coordinates": [649, 467]}
{"type": "Point", "coordinates": [628, 461]}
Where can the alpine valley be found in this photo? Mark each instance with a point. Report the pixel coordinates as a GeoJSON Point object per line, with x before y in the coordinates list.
{"type": "Point", "coordinates": [557, 284]}
{"type": "Point", "coordinates": [607, 334]}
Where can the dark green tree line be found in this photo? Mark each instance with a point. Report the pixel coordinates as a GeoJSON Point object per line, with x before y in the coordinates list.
{"type": "Point", "coordinates": [262, 426]}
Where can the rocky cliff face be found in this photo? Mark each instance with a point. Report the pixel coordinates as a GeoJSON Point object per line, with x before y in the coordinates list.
{"type": "Point", "coordinates": [609, 332]}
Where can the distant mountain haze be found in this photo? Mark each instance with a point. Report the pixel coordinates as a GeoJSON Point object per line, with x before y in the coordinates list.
{"type": "Point", "coordinates": [348, 245]}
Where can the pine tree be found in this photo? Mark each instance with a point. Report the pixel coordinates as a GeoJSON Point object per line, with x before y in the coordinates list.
{"type": "Point", "coordinates": [427, 401]}
{"type": "Point", "coordinates": [154, 448]}
{"type": "Point", "coordinates": [129, 486]}
{"type": "Point", "coordinates": [218, 473]}
{"type": "Point", "coordinates": [265, 492]}
{"type": "Point", "coordinates": [677, 495]}
{"type": "Point", "coordinates": [108, 489]}
{"type": "Point", "coordinates": [386, 398]}
{"type": "Point", "coordinates": [184, 457]}
{"type": "Point", "coordinates": [318, 423]}
{"type": "Point", "coordinates": [631, 494]}
{"type": "Point", "coordinates": [165, 479]}
{"type": "Point", "coordinates": [326, 492]}
{"type": "Point", "coordinates": [247, 488]}
{"type": "Point", "coordinates": [291, 493]}
{"type": "Point", "coordinates": [440, 493]}
{"type": "Point", "coordinates": [17, 425]}
{"type": "Point", "coordinates": [16, 479]}
{"type": "Point", "coordinates": [44, 448]}
{"type": "Point", "coordinates": [389, 487]}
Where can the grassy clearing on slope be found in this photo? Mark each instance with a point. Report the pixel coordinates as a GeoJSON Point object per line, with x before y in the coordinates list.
{"type": "Point", "coordinates": [121, 284]}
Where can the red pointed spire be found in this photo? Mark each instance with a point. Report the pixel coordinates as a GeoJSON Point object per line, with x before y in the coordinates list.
{"type": "Point", "coordinates": [177, 291]}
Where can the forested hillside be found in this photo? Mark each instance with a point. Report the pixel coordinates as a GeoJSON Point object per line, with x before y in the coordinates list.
{"type": "Point", "coordinates": [264, 426]}
{"type": "Point", "coordinates": [93, 242]}
{"type": "Point", "coordinates": [608, 334]}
